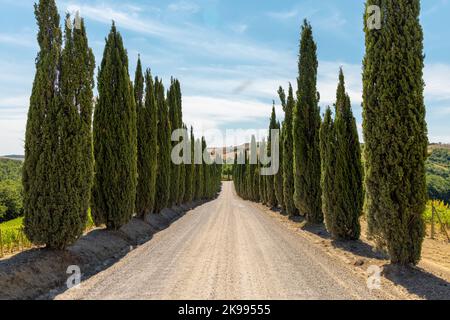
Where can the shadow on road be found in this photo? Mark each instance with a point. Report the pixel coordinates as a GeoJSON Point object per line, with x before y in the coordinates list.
{"type": "Point", "coordinates": [42, 273]}
{"type": "Point", "coordinates": [418, 281]}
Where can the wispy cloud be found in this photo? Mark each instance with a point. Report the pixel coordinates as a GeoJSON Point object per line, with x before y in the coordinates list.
{"type": "Point", "coordinates": [437, 82]}
{"type": "Point", "coordinates": [22, 40]}
{"type": "Point", "coordinates": [184, 6]}
{"type": "Point", "coordinates": [192, 37]}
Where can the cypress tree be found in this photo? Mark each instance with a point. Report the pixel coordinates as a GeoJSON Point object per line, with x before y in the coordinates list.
{"type": "Point", "coordinates": [270, 180]}
{"type": "Point", "coordinates": [147, 117]}
{"type": "Point", "coordinates": [198, 177]}
{"type": "Point", "coordinates": [328, 164]}
{"type": "Point", "coordinates": [348, 169]}
{"type": "Point", "coordinates": [278, 178]}
{"type": "Point", "coordinates": [395, 130]}
{"type": "Point", "coordinates": [182, 169]}
{"type": "Point", "coordinates": [307, 196]}
{"type": "Point", "coordinates": [115, 139]}
{"type": "Point", "coordinates": [254, 168]}
{"type": "Point", "coordinates": [164, 132]}
{"type": "Point", "coordinates": [288, 152]}
{"type": "Point", "coordinates": [57, 172]}
{"type": "Point", "coordinates": [262, 179]}
{"type": "Point", "coordinates": [172, 102]}
{"type": "Point", "coordinates": [190, 171]}
{"type": "Point", "coordinates": [206, 185]}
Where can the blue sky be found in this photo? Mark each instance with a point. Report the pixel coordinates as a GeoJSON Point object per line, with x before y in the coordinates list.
{"type": "Point", "coordinates": [230, 56]}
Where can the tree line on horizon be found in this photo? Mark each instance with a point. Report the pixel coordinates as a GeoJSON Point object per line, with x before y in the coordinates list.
{"type": "Point", "coordinates": [321, 176]}
{"type": "Point", "coordinates": [112, 155]}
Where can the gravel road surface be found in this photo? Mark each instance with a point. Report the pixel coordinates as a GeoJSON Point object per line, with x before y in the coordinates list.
{"type": "Point", "coordinates": [226, 249]}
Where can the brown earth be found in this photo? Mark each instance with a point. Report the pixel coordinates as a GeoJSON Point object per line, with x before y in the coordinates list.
{"type": "Point", "coordinates": [38, 273]}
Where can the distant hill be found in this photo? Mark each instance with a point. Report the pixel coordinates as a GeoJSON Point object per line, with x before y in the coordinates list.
{"type": "Point", "coordinates": [438, 173]}
{"type": "Point", "coordinates": [13, 157]}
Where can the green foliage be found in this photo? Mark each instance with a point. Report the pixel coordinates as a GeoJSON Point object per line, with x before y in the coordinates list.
{"type": "Point", "coordinates": [342, 191]}
{"type": "Point", "coordinates": [288, 151]}
{"type": "Point", "coordinates": [198, 176]}
{"type": "Point", "coordinates": [172, 103]}
{"type": "Point", "coordinates": [270, 179]}
{"type": "Point", "coordinates": [328, 164]}
{"type": "Point", "coordinates": [164, 150]}
{"type": "Point", "coordinates": [438, 175]}
{"type": "Point", "coordinates": [147, 156]}
{"type": "Point", "coordinates": [395, 130]}
{"type": "Point", "coordinates": [57, 173]}
{"type": "Point", "coordinates": [115, 138]}
{"type": "Point", "coordinates": [441, 208]}
{"type": "Point", "coordinates": [11, 203]}
{"type": "Point", "coordinates": [278, 178]}
{"type": "Point", "coordinates": [190, 171]}
{"type": "Point", "coordinates": [307, 196]}
{"type": "Point", "coordinates": [10, 169]}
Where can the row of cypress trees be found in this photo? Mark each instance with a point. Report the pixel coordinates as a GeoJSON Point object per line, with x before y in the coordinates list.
{"type": "Point", "coordinates": [322, 173]}
{"type": "Point", "coordinates": [129, 138]}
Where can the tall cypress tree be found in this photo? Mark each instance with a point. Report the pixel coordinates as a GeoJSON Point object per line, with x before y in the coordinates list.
{"type": "Point", "coordinates": [278, 178]}
{"type": "Point", "coordinates": [348, 169]}
{"type": "Point", "coordinates": [288, 152]}
{"type": "Point", "coordinates": [190, 171]}
{"type": "Point", "coordinates": [262, 179]}
{"type": "Point", "coordinates": [147, 115]}
{"type": "Point", "coordinates": [115, 138]}
{"type": "Point", "coordinates": [164, 131]}
{"type": "Point", "coordinates": [270, 180]}
{"type": "Point", "coordinates": [57, 172]}
{"type": "Point", "coordinates": [172, 102]}
{"type": "Point", "coordinates": [181, 188]}
{"type": "Point", "coordinates": [254, 179]}
{"type": "Point", "coordinates": [198, 177]}
{"type": "Point", "coordinates": [395, 130]}
{"type": "Point", "coordinates": [328, 164]}
{"type": "Point", "coordinates": [307, 196]}
{"type": "Point", "coordinates": [206, 187]}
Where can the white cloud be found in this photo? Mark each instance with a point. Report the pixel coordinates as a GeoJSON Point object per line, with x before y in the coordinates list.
{"type": "Point", "coordinates": [193, 38]}
{"type": "Point", "coordinates": [437, 82]}
{"type": "Point", "coordinates": [22, 40]}
{"type": "Point", "coordinates": [184, 6]}
{"type": "Point", "coordinates": [15, 101]}
{"type": "Point", "coordinates": [12, 133]}
{"type": "Point", "coordinates": [239, 28]}
{"type": "Point", "coordinates": [207, 114]}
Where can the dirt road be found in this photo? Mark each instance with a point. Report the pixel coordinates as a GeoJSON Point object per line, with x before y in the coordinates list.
{"type": "Point", "coordinates": [226, 249]}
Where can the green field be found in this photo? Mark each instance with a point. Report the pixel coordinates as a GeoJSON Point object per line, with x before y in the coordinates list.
{"type": "Point", "coordinates": [12, 238]}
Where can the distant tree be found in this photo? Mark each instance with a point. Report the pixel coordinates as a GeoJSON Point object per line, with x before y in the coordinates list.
{"type": "Point", "coordinates": [278, 178]}
{"type": "Point", "coordinates": [328, 163]}
{"type": "Point", "coordinates": [307, 196]}
{"type": "Point", "coordinates": [395, 130]}
{"type": "Point", "coordinates": [147, 117]}
{"type": "Point", "coordinates": [198, 177]}
{"type": "Point", "coordinates": [348, 169]}
{"type": "Point", "coordinates": [11, 200]}
{"type": "Point", "coordinates": [270, 180]}
{"type": "Point", "coordinates": [164, 150]}
{"type": "Point", "coordinates": [190, 171]}
{"type": "Point", "coordinates": [288, 152]}
{"type": "Point", "coordinates": [115, 139]}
